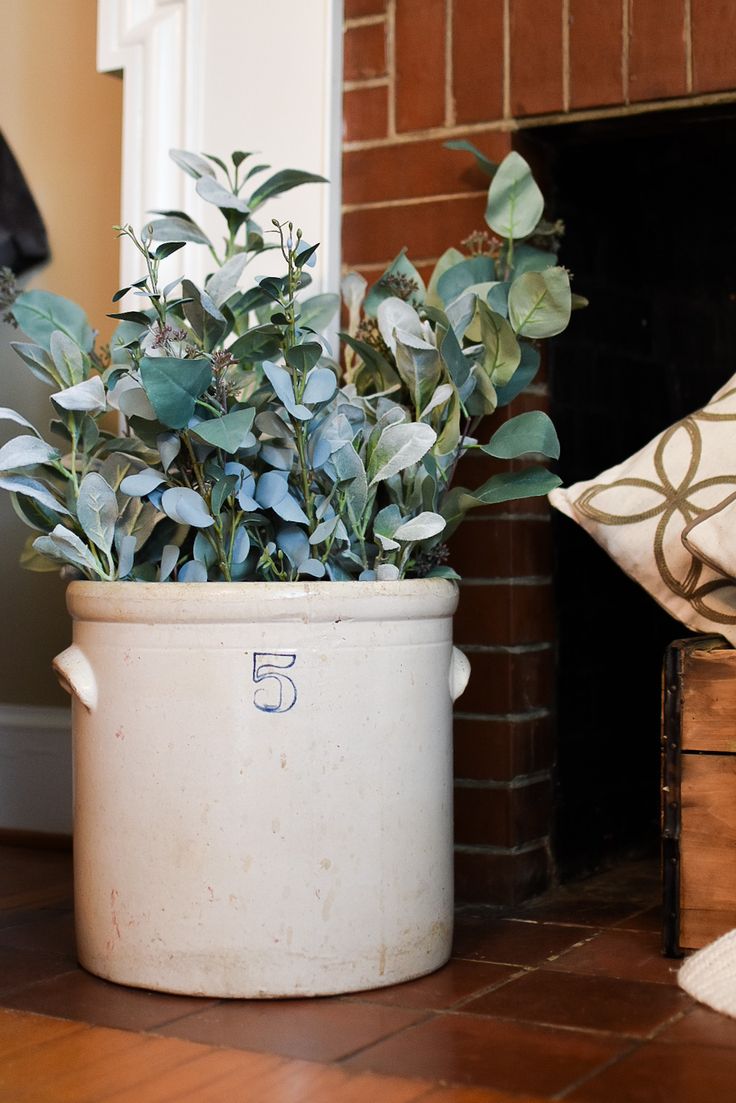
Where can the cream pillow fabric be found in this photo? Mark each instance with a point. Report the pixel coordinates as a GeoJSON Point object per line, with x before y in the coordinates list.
{"type": "Point", "coordinates": [639, 510]}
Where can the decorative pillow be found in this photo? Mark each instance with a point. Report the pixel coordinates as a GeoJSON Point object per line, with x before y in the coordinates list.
{"type": "Point", "coordinates": [639, 510]}
{"type": "Point", "coordinates": [710, 537]}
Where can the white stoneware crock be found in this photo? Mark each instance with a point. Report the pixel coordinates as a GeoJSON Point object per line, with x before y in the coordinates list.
{"type": "Point", "coordinates": [263, 783]}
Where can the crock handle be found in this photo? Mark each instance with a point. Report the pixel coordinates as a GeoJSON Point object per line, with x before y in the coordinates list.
{"type": "Point", "coordinates": [76, 676]}
{"type": "Point", "coordinates": [459, 673]}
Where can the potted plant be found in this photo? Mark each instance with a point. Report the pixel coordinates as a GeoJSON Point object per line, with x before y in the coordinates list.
{"type": "Point", "coordinates": [262, 666]}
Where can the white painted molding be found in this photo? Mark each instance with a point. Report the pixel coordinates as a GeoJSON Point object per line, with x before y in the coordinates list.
{"type": "Point", "coordinates": [213, 75]}
{"type": "Point", "coordinates": [36, 773]}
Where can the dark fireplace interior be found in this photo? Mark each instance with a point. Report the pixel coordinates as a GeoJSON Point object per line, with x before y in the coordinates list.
{"type": "Point", "coordinates": [651, 241]}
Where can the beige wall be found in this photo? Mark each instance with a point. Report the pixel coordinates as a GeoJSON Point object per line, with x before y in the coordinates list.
{"type": "Point", "coordinates": [63, 121]}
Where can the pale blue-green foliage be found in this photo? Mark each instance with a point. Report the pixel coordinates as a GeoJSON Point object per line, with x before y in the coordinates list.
{"type": "Point", "coordinates": [249, 453]}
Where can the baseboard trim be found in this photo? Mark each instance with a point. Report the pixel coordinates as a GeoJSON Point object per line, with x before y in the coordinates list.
{"type": "Point", "coordinates": [36, 774]}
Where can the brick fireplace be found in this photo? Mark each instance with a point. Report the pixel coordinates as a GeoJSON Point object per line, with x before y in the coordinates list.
{"type": "Point", "coordinates": [504, 73]}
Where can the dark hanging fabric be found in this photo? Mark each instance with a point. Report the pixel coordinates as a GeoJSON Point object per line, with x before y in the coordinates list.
{"type": "Point", "coordinates": [23, 240]}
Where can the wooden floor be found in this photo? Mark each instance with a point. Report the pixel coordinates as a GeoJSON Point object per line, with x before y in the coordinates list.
{"type": "Point", "coordinates": [566, 999]}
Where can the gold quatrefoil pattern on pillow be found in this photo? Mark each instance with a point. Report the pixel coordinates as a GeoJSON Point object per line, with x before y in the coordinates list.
{"type": "Point", "coordinates": [638, 510]}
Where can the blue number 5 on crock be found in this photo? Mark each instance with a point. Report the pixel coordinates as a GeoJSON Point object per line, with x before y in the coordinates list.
{"type": "Point", "coordinates": [280, 693]}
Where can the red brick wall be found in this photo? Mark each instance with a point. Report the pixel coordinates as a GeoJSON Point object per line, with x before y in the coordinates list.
{"type": "Point", "coordinates": [418, 72]}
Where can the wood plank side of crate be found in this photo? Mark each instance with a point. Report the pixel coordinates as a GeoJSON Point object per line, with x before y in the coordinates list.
{"type": "Point", "coordinates": [698, 792]}
{"type": "Point", "coordinates": [708, 704]}
{"type": "Point", "coordinates": [707, 848]}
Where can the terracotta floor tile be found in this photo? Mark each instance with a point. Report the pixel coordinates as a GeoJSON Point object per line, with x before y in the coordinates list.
{"type": "Point", "coordinates": [701, 1027]}
{"type": "Point", "coordinates": [19, 968]}
{"type": "Point", "coordinates": [84, 998]}
{"type": "Point", "coordinates": [30, 878]}
{"type": "Point", "coordinates": [456, 981]}
{"type": "Point", "coordinates": [588, 1003]}
{"type": "Point", "coordinates": [650, 919]}
{"type": "Point", "coordinates": [512, 941]}
{"type": "Point", "coordinates": [659, 1073]}
{"type": "Point", "coordinates": [51, 932]}
{"type": "Point", "coordinates": [468, 1049]}
{"type": "Point", "coordinates": [625, 955]}
{"type": "Point", "coordinates": [318, 1030]}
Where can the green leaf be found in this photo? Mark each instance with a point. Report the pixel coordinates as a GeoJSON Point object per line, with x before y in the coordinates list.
{"type": "Point", "coordinates": [461, 276]}
{"type": "Point", "coordinates": [529, 432]}
{"type": "Point", "coordinates": [420, 368]}
{"type": "Point", "coordinates": [97, 510]}
{"type": "Point", "coordinates": [173, 386]}
{"type": "Point", "coordinates": [462, 143]}
{"type": "Point", "coordinates": [67, 357]}
{"type": "Point", "coordinates": [506, 487]}
{"type": "Point", "coordinates": [281, 182]}
{"type": "Point", "coordinates": [303, 357]}
{"type": "Point", "coordinates": [177, 228]}
{"type": "Point", "coordinates": [40, 313]}
{"type": "Point", "coordinates": [65, 547]}
{"type": "Point", "coordinates": [38, 360]}
{"type": "Point", "coordinates": [206, 320]}
{"type": "Point", "coordinates": [191, 163]}
{"type": "Point", "coordinates": [421, 527]}
{"type": "Point", "coordinates": [399, 266]}
{"type": "Point", "coordinates": [502, 352]}
{"type": "Point", "coordinates": [449, 259]}
{"type": "Point", "coordinates": [515, 203]}
{"type": "Point", "coordinates": [529, 259]}
{"type": "Point", "coordinates": [376, 364]}
{"type": "Point", "coordinates": [540, 303]}
{"type": "Point", "coordinates": [228, 432]}
{"type": "Point", "coordinates": [221, 491]}
{"type": "Point", "coordinates": [522, 377]}
{"type": "Point", "coordinates": [318, 311]}
{"type": "Point", "coordinates": [238, 157]}
{"type": "Point", "coordinates": [257, 344]}
{"type": "Point", "coordinates": [398, 447]}
{"type": "Point", "coordinates": [167, 248]}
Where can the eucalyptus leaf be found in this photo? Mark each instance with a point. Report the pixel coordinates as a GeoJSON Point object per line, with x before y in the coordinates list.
{"type": "Point", "coordinates": [65, 546]}
{"type": "Point", "coordinates": [97, 510]}
{"type": "Point", "coordinates": [229, 432]}
{"type": "Point", "coordinates": [281, 182]}
{"type": "Point", "coordinates": [67, 358]}
{"type": "Point", "coordinates": [191, 163]}
{"type": "Point", "coordinates": [186, 507]}
{"type": "Point", "coordinates": [515, 203]}
{"type": "Point", "coordinates": [38, 360]}
{"type": "Point", "coordinates": [540, 303]}
{"type": "Point", "coordinates": [126, 556]}
{"type": "Point", "coordinates": [169, 559]}
{"type": "Point", "coordinates": [532, 431]}
{"type": "Point", "coordinates": [224, 282]}
{"type": "Point", "coordinates": [178, 229]}
{"type": "Point", "coordinates": [398, 447]}
{"type": "Point", "coordinates": [522, 377]}
{"type": "Point", "coordinates": [25, 451]}
{"type": "Point", "coordinates": [421, 527]}
{"type": "Point", "coordinates": [317, 312]}
{"type": "Point", "coordinates": [193, 571]}
{"type": "Point", "coordinates": [89, 395]}
{"type": "Point", "coordinates": [212, 191]}
{"type": "Point", "coordinates": [41, 313]}
{"type": "Point", "coordinates": [32, 488]}
{"type": "Point", "coordinates": [173, 387]}
{"type": "Point", "coordinates": [142, 483]}
{"type": "Point", "coordinates": [502, 352]}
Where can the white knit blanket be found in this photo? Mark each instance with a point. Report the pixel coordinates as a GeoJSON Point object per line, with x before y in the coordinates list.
{"type": "Point", "coordinates": [709, 976]}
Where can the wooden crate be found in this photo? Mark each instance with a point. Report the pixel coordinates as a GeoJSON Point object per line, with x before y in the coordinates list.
{"type": "Point", "coordinates": [698, 792]}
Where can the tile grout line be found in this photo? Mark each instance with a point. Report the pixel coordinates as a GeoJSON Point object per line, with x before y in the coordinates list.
{"type": "Point", "coordinates": [687, 31]}
{"type": "Point", "coordinates": [592, 1073]}
{"type": "Point", "coordinates": [428, 1017]}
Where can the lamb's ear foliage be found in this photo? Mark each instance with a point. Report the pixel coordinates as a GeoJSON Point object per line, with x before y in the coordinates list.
{"type": "Point", "coordinates": [249, 451]}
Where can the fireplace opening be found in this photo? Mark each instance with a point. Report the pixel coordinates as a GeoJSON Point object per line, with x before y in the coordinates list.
{"type": "Point", "coordinates": [651, 241]}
